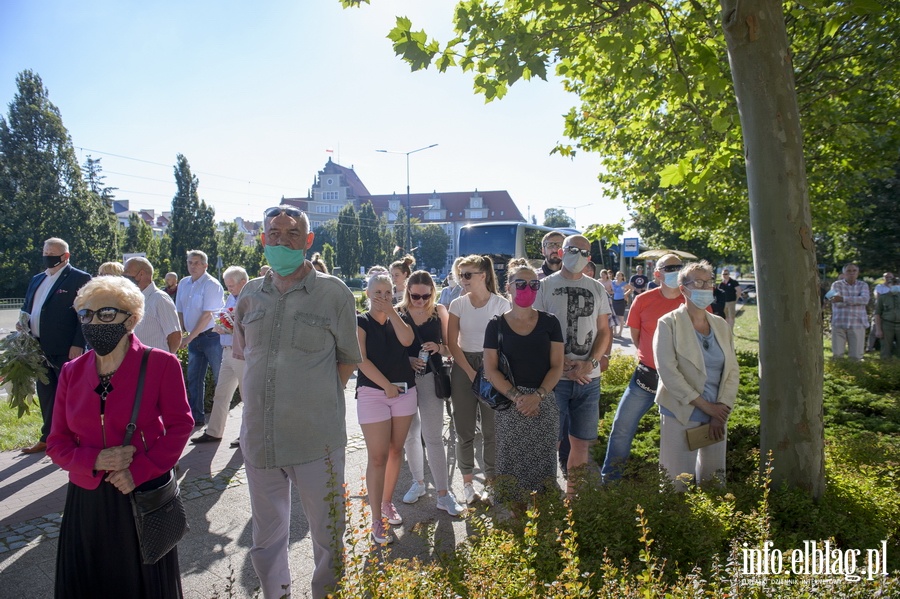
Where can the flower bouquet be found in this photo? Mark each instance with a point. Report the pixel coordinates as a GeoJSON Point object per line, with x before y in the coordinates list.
{"type": "Point", "coordinates": [225, 319]}
{"type": "Point", "coordinates": [21, 364]}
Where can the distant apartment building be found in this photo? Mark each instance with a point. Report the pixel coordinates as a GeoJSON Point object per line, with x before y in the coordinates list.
{"type": "Point", "coordinates": [336, 185]}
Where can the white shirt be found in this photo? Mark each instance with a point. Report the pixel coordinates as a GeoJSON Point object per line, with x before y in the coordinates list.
{"type": "Point", "coordinates": [196, 297]}
{"type": "Point", "coordinates": [40, 296]}
{"type": "Point", "coordinates": [473, 321]}
{"type": "Point", "coordinates": [160, 318]}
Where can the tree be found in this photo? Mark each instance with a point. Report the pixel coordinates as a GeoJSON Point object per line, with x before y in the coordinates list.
{"type": "Point", "coordinates": [347, 241]}
{"type": "Point", "coordinates": [193, 222]}
{"type": "Point", "coordinates": [400, 226]}
{"type": "Point", "coordinates": [369, 241]}
{"type": "Point", "coordinates": [94, 178]}
{"type": "Point", "coordinates": [655, 235]}
{"type": "Point", "coordinates": [328, 256]}
{"type": "Point", "coordinates": [658, 104]}
{"type": "Point", "coordinates": [42, 193]}
{"type": "Point", "coordinates": [325, 233]}
{"type": "Point", "coordinates": [138, 236]}
{"type": "Point", "coordinates": [432, 241]}
{"type": "Point", "coordinates": [557, 218]}
{"type": "Point", "coordinates": [874, 234]}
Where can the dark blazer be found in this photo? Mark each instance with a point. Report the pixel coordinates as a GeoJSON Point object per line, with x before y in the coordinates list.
{"type": "Point", "coordinates": [60, 328]}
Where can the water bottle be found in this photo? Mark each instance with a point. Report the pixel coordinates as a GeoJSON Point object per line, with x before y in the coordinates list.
{"type": "Point", "coordinates": [424, 355]}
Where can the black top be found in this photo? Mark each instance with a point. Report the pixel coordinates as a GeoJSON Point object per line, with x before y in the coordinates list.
{"type": "Point", "coordinates": [730, 289]}
{"type": "Point", "coordinates": [529, 356]}
{"type": "Point", "coordinates": [430, 330]}
{"type": "Point", "coordinates": [385, 351]}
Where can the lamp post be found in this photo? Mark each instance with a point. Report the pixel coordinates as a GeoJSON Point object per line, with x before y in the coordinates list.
{"type": "Point", "coordinates": [575, 212]}
{"type": "Point", "coordinates": [408, 207]}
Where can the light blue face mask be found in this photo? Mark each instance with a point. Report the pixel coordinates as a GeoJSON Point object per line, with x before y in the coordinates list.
{"type": "Point", "coordinates": [702, 298]}
{"type": "Point", "coordinates": [283, 259]}
{"type": "Point", "coordinates": [671, 279]}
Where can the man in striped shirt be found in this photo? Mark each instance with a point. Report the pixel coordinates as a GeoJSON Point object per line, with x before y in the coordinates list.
{"type": "Point", "coordinates": [159, 327]}
{"type": "Point", "coordinates": [849, 321]}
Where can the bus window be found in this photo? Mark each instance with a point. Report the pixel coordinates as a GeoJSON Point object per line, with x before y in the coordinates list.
{"type": "Point", "coordinates": [533, 247]}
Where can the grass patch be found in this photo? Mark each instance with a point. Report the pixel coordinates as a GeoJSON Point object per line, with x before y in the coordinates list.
{"type": "Point", "coordinates": [16, 432]}
{"type": "Point", "coordinates": [746, 329]}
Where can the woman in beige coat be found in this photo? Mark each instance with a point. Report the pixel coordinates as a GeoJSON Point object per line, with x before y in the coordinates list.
{"type": "Point", "coordinates": [698, 380]}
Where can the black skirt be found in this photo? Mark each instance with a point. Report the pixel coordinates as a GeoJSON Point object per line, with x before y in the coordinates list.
{"type": "Point", "coordinates": [98, 554]}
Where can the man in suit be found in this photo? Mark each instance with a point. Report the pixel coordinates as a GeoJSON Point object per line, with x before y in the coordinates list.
{"type": "Point", "coordinates": [53, 321]}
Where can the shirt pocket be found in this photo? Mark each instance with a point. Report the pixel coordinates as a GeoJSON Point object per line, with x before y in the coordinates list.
{"type": "Point", "coordinates": [310, 332]}
{"type": "Point", "coordinates": [252, 322]}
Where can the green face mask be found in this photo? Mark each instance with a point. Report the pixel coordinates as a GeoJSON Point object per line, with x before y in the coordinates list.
{"type": "Point", "coordinates": [283, 259]}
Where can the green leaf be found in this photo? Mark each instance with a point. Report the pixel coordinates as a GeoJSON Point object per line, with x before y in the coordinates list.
{"type": "Point", "coordinates": [670, 175]}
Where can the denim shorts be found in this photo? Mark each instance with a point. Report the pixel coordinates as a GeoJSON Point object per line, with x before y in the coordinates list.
{"type": "Point", "coordinates": [579, 405]}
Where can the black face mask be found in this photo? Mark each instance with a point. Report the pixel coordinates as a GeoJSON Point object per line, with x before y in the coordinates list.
{"type": "Point", "coordinates": [52, 261]}
{"type": "Point", "coordinates": [103, 338]}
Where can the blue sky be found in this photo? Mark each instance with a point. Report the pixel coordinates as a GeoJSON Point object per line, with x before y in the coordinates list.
{"type": "Point", "coordinates": [254, 93]}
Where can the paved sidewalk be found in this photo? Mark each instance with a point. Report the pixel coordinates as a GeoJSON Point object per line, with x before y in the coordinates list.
{"type": "Point", "coordinates": [214, 556]}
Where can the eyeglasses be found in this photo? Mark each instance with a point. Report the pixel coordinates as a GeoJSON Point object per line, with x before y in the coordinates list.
{"type": "Point", "coordinates": [468, 275]}
{"type": "Point", "coordinates": [700, 284]}
{"type": "Point", "coordinates": [571, 249]}
{"type": "Point", "coordinates": [522, 284]}
{"type": "Point", "coordinates": [277, 210]}
{"type": "Point", "coordinates": [103, 314]}
{"type": "Point", "coordinates": [418, 297]}
{"type": "Point", "coordinates": [552, 245]}
{"type": "Point", "coordinates": [669, 268]}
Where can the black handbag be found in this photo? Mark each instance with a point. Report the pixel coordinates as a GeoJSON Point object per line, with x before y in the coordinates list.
{"type": "Point", "coordinates": [482, 387]}
{"type": "Point", "coordinates": [441, 373]}
{"type": "Point", "coordinates": [159, 514]}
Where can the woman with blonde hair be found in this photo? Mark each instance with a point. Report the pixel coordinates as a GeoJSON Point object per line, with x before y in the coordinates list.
{"type": "Point", "coordinates": [400, 271]}
{"type": "Point", "coordinates": [698, 380]}
{"type": "Point", "coordinates": [116, 269]}
{"type": "Point", "coordinates": [385, 400]}
{"type": "Point", "coordinates": [99, 553]}
{"type": "Point", "coordinates": [528, 432]}
{"type": "Point", "coordinates": [428, 320]}
{"type": "Point", "coordinates": [469, 316]}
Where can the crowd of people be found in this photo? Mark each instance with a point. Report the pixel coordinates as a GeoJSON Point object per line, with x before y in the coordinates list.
{"type": "Point", "coordinates": [542, 342]}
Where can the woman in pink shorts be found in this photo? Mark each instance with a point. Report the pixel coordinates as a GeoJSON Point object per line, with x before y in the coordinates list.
{"type": "Point", "coordinates": [385, 399]}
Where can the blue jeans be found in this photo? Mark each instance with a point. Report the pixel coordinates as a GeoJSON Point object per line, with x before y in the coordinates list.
{"type": "Point", "coordinates": [203, 351]}
{"type": "Point", "coordinates": [634, 404]}
{"type": "Point", "coordinates": [579, 408]}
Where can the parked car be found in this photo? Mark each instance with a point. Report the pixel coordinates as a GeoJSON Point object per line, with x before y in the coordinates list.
{"type": "Point", "coordinates": [748, 291]}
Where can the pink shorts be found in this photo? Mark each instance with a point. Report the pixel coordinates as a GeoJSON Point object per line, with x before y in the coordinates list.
{"type": "Point", "coordinates": [372, 405]}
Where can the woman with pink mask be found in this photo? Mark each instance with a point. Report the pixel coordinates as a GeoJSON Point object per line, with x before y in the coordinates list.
{"type": "Point", "coordinates": [527, 432]}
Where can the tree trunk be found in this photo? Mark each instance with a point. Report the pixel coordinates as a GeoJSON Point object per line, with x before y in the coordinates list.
{"type": "Point", "coordinates": [790, 348]}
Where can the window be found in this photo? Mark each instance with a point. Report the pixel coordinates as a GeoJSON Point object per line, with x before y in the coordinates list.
{"type": "Point", "coordinates": [331, 195]}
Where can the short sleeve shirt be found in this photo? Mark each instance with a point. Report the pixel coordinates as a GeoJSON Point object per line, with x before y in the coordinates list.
{"type": "Point", "coordinates": [473, 321]}
{"type": "Point", "coordinates": [577, 303]}
{"type": "Point", "coordinates": [644, 315]}
{"type": "Point", "coordinates": [196, 297]}
{"type": "Point", "coordinates": [294, 410]}
{"type": "Point", "coordinates": [529, 355]}
{"type": "Point", "coordinates": [160, 319]}
{"type": "Point", "coordinates": [386, 352]}
{"type": "Point", "coordinates": [639, 283]}
{"type": "Point", "coordinates": [730, 289]}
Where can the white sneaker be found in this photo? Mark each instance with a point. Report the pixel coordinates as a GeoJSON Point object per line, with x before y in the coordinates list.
{"type": "Point", "coordinates": [449, 504]}
{"type": "Point", "coordinates": [487, 495]}
{"type": "Point", "coordinates": [415, 491]}
{"type": "Point", "coordinates": [471, 495]}
{"type": "Point", "coordinates": [390, 512]}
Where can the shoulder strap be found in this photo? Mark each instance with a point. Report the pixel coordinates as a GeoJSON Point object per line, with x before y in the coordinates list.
{"type": "Point", "coordinates": [129, 430]}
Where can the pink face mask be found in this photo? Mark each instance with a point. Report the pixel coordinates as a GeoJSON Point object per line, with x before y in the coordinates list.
{"type": "Point", "coordinates": [525, 297]}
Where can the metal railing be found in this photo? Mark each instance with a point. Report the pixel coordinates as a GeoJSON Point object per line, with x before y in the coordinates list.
{"type": "Point", "coordinates": [11, 303]}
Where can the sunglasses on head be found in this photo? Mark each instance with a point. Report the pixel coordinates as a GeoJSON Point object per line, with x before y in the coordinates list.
{"type": "Point", "coordinates": [417, 297]}
{"type": "Point", "coordinates": [571, 249]}
{"type": "Point", "coordinates": [468, 275]}
{"type": "Point", "coordinates": [103, 314]}
{"type": "Point", "coordinates": [670, 268]}
{"type": "Point", "coordinates": [277, 210]}
{"type": "Point", "coordinates": [522, 284]}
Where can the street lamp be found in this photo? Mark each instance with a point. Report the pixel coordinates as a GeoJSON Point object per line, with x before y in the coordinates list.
{"type": "Point", "coordinates": [575, 212]}
{"type": "Point", "coordinates": [408, 207]}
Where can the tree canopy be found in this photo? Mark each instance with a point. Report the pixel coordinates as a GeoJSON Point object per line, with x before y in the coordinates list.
{"type": "Point", "coordinates": [42, 193]}
{"type": "Point", "coordinates": [193, 221]}
{"type": "Point", "coordinates": [557, 217]}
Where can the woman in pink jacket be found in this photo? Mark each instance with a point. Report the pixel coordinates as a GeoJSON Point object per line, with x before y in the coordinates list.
{"type": "Point", "coordinates": [98, 553]}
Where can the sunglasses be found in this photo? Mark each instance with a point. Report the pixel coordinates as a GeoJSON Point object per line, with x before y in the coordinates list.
{"type": "Point", "coordinates": [417, 297]}
{"type": "Point", "coordinates": [522, 284]}
{"type": "Point", "coordinates": [670, 268]}
{"type": "Point", "coordinates": [277, 210]}
{"type": "Point", "coordinates": [103, 314]}
{"type": "Point", "coordinates": [468, 275]}
{"type": "Point", "coordinates": [571, 249]}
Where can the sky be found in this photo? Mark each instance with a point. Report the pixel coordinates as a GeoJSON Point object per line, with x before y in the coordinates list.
{"type": "Point", "coordinates": [254, 94]}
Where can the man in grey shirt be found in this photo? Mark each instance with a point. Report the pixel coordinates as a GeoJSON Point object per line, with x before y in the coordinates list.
{"type": "Point", "coordinates": [296, 330]}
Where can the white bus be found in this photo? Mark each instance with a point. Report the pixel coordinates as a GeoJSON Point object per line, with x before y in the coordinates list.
{"type": "Point", "coordinates": [505, 240]}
